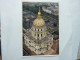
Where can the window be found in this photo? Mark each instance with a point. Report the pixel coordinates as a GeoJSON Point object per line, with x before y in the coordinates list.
{"type": "Point", "coordinates": [38, 29]}
{"type": "Point", "coordinates": [41, 29]}
{"type": "Point", "coordinates": [38, 35]}
{"type": "Point", "coordinates": [41, 35]}
{"type": "Point", "coordinates": [29, 41]}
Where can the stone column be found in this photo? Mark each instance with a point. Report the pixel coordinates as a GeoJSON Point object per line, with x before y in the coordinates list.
{"type": "Point", "coordinates": [36, 35]}
{"type": "Point", "coordinates": [40, 36]}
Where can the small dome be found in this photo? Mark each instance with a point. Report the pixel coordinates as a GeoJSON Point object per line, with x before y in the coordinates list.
{"type": "Point", "coordinates": [39, 21]}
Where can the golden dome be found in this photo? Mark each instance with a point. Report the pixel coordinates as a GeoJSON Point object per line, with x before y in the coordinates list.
{"type": "Point", "coordinates": [39, 21]}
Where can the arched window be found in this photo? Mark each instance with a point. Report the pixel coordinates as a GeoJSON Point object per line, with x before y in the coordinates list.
{"type": "Point", "coordinates": [38, 29]}
{"type": "Point", "coordinates": [38, 35]}
{"type": "Point", "coordinates": [29, 41]}
{"type": "Point", "coordinates": [41, 29]}
{"type": "Point", "coordinates": [41, 35]}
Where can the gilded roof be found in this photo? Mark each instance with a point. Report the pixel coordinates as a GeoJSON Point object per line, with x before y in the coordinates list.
{"type": "Point", "coordinates": [39, 21]}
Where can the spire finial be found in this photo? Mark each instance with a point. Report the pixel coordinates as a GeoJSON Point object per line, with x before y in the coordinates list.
{"type": "Point", "coordinates": [39, 13]}
{"type": "Point", "coordinates": [39, 9]}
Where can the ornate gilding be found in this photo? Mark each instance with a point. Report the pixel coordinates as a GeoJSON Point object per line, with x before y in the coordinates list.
{"type": "Point", "coordinates": [39, 21]}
